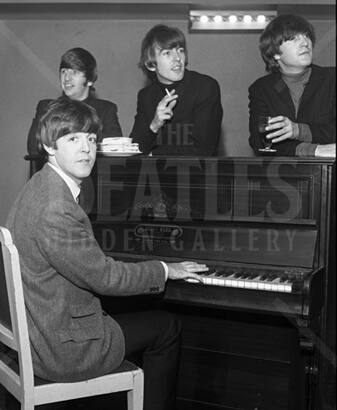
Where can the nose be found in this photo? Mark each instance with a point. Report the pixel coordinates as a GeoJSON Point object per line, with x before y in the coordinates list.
{"type": "Point", "coordinates": [304, 39]}
{"type": "Point", "coordinates": [85, 146]}
{"type": "Point", "coordinates": [177, 55]}
{"type": "Point", "coordinates": [67, 75]}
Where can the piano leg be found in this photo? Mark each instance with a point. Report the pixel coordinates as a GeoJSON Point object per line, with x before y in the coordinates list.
{"type": "Point", "coordinates": [309, 345]}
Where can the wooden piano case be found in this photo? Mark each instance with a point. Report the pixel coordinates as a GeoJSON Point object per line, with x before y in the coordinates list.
{"type": "Point", "coordinates": [241, 349]}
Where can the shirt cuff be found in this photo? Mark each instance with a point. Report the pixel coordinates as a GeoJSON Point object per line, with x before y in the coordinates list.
{"type": "Point", "coordinates": [305, 149]}
{"type": "Point", "coordinates": [165, 269]}
{"type": "Point", "coordinates": [304, 133]}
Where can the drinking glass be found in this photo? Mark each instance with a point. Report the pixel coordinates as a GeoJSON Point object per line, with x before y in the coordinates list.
{"type": "Point", "coordinates": [262, 124]}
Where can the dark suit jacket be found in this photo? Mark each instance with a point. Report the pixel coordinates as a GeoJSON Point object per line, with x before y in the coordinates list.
{"type": "Point", "coordinates": [196, 123]}
{"type": "Point", "coordinates": [63, 269]}
{"type": "Point", "coordinates": [106, 111]}
{"type": "Point", "coordinates": [270, 95]}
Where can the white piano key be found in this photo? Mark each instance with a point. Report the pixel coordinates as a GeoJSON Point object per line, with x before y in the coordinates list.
{"type": "Point", "coordinates": [235, 280]}
{"type": "Point", "coordinates": [241, 284]}
{"type": "Point", "coordinates": [267, 286]}
{"type": "Point", "coordinates": [288, 288]}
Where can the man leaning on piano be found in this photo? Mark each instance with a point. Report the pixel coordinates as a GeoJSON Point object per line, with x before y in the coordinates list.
{"type": "Point", "coordinates": [298, 97]}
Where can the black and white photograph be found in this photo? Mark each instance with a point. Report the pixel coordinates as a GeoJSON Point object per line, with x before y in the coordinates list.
{"type": "Point", "coordinates": [168, 205]}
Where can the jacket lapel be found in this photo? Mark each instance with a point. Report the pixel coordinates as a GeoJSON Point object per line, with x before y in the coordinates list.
{"type": "Point", "coordinates": [310, 88]}
{"type": "Point", "coordinates": [284, 95]}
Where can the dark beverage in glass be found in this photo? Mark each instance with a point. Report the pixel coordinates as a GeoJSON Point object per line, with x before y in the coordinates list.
{"type": "Point", "coordinates": [262, 124]}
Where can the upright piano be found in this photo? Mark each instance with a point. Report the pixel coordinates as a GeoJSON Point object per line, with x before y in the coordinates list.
{"type": "Point", "coordinates": [258, 333]}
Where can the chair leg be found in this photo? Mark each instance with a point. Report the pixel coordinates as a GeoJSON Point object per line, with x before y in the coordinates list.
{"type": "Point", "coordinates": [28, 405]}
{"type": "Point", "coordinates": [135, 396]}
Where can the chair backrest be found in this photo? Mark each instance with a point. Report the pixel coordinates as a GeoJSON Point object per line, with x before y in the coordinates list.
{"type": "Point", "coordinates": [13, 320]}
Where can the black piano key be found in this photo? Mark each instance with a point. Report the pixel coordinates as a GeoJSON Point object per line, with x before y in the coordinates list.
{"type": "Point", "coordinates": [222, 273]}
{"type": "Point", "coordinates": [208, 273]}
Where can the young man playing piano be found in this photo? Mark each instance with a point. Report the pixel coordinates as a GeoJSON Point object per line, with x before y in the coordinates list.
{"type": "Point", "coordinates": [180, 112]}
{"type": "Point", "coordinates": [64, 270]}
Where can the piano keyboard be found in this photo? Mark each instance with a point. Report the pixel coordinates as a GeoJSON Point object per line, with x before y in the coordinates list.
{"type": "Point", "coordinates": [268, 281]}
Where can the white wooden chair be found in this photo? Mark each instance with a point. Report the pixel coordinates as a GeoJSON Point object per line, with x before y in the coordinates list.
{"type": "Point", "coordinates": [17, 375]}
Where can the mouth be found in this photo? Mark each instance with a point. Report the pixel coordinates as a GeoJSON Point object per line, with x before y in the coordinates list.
{"type": "Point", "coordinates": [177, 68]}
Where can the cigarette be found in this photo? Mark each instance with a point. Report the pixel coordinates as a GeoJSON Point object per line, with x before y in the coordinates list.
{"type": "Point", "coordinates": [167, 92]}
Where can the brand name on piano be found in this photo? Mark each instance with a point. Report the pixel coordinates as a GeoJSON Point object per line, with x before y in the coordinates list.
{"type": "Point", "coordinates": [201, 240]}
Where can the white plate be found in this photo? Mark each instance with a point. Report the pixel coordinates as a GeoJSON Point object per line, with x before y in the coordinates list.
{"type": "Point", "coordinates": [267, 150]}
{"type": "Point", "coordinates": [116, 140]}
{"type": "Point", "coordinates": [118, 153]}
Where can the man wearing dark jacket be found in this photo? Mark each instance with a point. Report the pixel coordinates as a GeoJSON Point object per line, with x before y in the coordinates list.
{"type": "Point", "coordinates": [180, 112]}
{"type": "Point", "coordinates": [299, 97]}
{"type": "Point", "coordinates": [78, 73]}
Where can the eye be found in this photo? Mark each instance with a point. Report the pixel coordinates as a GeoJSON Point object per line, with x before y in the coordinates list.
{"type": "Point", "coordinates": [181, 50]}
{"type": "Point", "coordinates": [92, 138]}
{"type": "Point", "coordinates": [166, 52]}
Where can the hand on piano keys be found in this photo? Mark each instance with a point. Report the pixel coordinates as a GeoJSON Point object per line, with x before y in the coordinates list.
{"type": "Point", "coordinates": [186, 270]}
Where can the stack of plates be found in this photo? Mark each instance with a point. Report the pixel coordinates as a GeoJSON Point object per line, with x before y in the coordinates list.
{"type": "Point", "coordinates": [118, 146]}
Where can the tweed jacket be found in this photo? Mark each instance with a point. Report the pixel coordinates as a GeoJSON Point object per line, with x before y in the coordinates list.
{"type": "Point", "coordinates": [195, 127]}
{"type": "Point", "coordinates": [106, 111]}
{"type": "Point", "coordinates": [63, 270]}
{"type": "Point", "coordinates": [270, 95]}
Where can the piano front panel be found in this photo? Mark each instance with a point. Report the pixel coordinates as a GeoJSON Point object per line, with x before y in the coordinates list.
{"type": "Point", "coordinates": [177, 190]}
{"type": "Point", "coordinates": [242, 242]}
{"type": "Point", "coordinates": [238, 362]}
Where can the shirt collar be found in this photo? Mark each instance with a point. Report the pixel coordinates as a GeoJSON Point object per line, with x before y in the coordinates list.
{"type": "Point", "coordinates": [74, 188]}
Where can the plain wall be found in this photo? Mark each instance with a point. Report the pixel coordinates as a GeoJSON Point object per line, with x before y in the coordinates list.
{"type": "Point", "coordinates": [30, 53]}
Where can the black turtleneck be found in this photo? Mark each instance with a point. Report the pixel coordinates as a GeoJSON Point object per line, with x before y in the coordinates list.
{"type": "Point", "coordinates": [196, 123]}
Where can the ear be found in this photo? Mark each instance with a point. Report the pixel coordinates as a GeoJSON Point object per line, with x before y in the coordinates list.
{"type": "Point", "coordinates": [50, 150]}
{"type": "Point", "coordinates": [151, 66]}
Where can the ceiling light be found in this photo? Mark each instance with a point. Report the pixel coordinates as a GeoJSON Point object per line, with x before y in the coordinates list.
{"type": "Point", "coordinates": [208, 20]}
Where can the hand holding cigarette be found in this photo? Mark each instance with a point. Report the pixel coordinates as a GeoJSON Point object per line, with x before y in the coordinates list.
{"type": "Point", "coordinates": [164, 110]}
